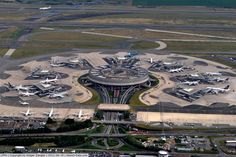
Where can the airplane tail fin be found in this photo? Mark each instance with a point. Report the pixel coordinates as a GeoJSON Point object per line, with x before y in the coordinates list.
{"type": "Point", "coordinates": [227, 87]}
{"type": "Point", "coordinates": [10, 85]}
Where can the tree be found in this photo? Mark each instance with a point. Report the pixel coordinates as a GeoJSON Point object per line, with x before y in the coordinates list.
{"type": "Point", "coordinates": [69, 121]}
{"type": "Point", "coordinates": [99, 114]}
{"type": "Point", "coordinates": [50, 121]}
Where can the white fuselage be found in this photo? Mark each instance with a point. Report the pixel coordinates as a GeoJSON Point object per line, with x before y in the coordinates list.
{"type": "Point", "coordinates": [193, 83]}
{"type": "Point", "coordinates": [57, 65]}
{"type": "Point", "coordinates": [217, 90]}
{"type": "Point", "coordinates": [45, 8]}
{"type": "Point", "coordinates": [27, 93]}
{"type": "Point", "coordinates": [58, 95]}
{"type": "Point", "coordinates": [213, 74]}
{"type": "Point", "coordinates": [49, 81]}
{"type": "Point", "coordinates": [24, 103]}
{"type": "Point", "coordinates": [176, 70]}
{"type": "Point", "coordinates": [50, 113]}
{"type": "Point", "coordinates": [20, 87]}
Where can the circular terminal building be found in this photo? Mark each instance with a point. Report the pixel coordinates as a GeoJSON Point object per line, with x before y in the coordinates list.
{"type": "Point", "coordinates": [118, 75]}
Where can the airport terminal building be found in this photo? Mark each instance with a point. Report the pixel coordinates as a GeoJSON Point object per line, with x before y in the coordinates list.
{"type": "Point", "coordinates": [118, 75]}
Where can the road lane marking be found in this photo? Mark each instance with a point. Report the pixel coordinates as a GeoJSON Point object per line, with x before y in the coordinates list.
{"type": "Point", "coordinates": [109, 35]}
{"type": "Point", "coordinates": [10, 52]}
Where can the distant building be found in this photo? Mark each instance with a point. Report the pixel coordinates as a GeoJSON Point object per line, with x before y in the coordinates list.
{"type": "Point", "coordinates": [7, 1]}
{"type": "Point", "coordinates": [184, 149]}
{"type": "Point", "coordinates": [124, 156]}
{"type": "Point", "coordinates": [145, 156]}
{"type": "Point", "coordinates": [163, 153]}
{"type": "Point", "coordinates": [19, 149]}
{"type": "Point", "coordinates": [231, 143]}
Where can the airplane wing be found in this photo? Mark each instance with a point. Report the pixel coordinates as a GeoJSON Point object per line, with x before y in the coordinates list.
{"type": "Point", "coordinates": [45, 113]}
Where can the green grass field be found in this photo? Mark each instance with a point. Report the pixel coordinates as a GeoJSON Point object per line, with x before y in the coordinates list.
{"type": "Point", "coordinates": [186, 16]}
{"type": "Point", "coordinates": [12, 33]}
{"type": "Point", "coordinates": [98, 129]}
{"type": "Point", "coordinates": [134, 100]}
{"type": "Point", "coordinates": [197, 49]}
{"type": "Point", "coordinates": [208, 3]}
{"type": "Point", "coordinates": [219, 59]}
{"type": "Point", "coordinates": [13, 16]}
{"type": "Point", "coordinates": [29, 49]}
{"type": "Point", "coordinates": [71, 36]}
{"type": "Point", "coordinates": [2, 51]}
{"type": "Point", "coordinates": [142, 34]}
{"type": "Point", "coordinates": [189, 47]}
{"type": "Point", "coordinates": [6, 149]}
{"type": "Point", "coordinates": [112, 142]}
{"type": "Point", "coordinates": [55, 42]}
{"type": "Point", "coordinates": [141, 45]}
{"type": "Point", "coordinates": [96, 99]}
{"type": "Point", "coordinates": [101, 142]}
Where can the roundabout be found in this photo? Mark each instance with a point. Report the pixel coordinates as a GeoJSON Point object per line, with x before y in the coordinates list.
{"type": "Point", "coordinates": [110, 143]}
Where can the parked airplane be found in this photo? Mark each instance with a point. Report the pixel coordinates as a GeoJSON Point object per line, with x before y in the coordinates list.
{"type": "Point", "coordinates": [49, 80]}
{"type": "Point", "coordinates": [213, 73]}
{"type": "Point", "coordinates": [45, 8]}
{"type": "Point", "coordinates": [176, 70]}
{"type": "Point", "coordinates": [74, 60]}
{"type": "Point", "coordinates": [20, 87]}
{"type": "Point", "coordinates": [23, 103]}
{"type": "Point", "coordinates": [57, 64]}
{"type": "Point", "coordinates": [27, 93]}
{"type": "Point", "coordinates": [50, 114]}
{"type": "Point", "coordinates": [215, 90]}
{"type": "Point", "coordinates": [44, 71]}
{"type": "Point", "coordinates": [167, 63]}
{"type": "Point", "coordinates": [57, 95]}
{"type": "Point", "coordinates": [194, 75]}
{"type": "Point", "coordinates": [27, 113]}
{"type": "Point", "coordinates": [191, 83]}
{"type": "Point", "coordinates": [218, 79]}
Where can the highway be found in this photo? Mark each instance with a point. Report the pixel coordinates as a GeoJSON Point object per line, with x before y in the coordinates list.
{"type": "Point", "coordinates": [115, 122]}
{"type": "Point", "coordinates": [107, 130]}
{"type": "Point", "coordinates": [100, 135]}
{"type": "Point", "coordinates": [125, 96]}
{"type": "Point", "coordinates": [105, 95]}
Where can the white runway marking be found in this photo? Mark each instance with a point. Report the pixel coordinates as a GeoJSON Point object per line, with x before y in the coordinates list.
{"type": "Point", "coordinates": [190, 34]}
{"type": "Point", "coordinates": [10, 52]}
{"type": "Point", "coordinates": [161, 43]}
{"type": "Point", "coordinates": [47, 28]}
{"type": "Point", "coordinates": [109, 35]}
